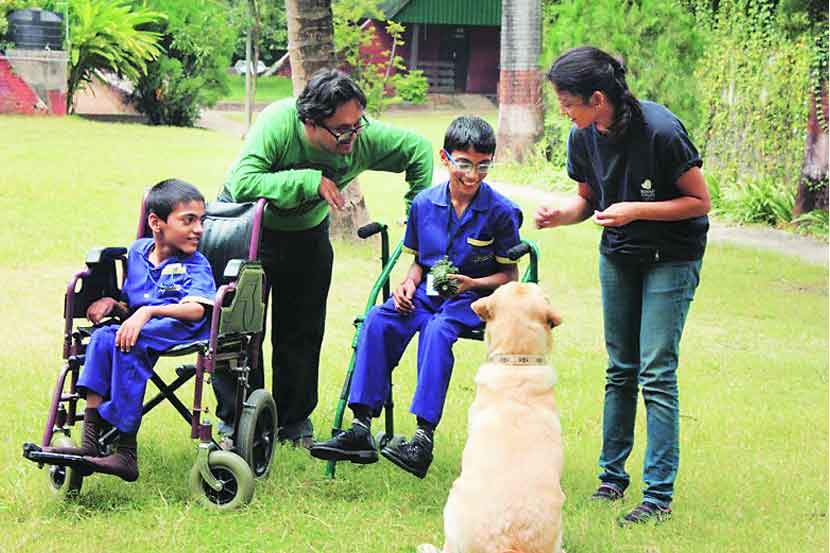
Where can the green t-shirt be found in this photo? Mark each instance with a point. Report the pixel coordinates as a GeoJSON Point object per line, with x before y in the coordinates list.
{"type": "Point", "coordinates": [278, 163]}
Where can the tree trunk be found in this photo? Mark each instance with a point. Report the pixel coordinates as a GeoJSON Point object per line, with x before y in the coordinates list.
{"type": "Point", "coordinates": [812, 185]}
{"type": "Point", "coordinates": [311, 47]}
{"type": "Point", "coordinates": [521, 112]}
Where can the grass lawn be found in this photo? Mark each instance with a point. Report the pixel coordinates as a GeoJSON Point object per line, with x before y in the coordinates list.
{"type": "Point", "coordinates": [268, 89]}
{"type": "Point", "coordinates": [753, 380]}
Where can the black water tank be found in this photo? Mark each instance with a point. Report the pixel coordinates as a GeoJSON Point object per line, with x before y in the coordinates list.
{"type": "Point", "coordinates": [36, 29]}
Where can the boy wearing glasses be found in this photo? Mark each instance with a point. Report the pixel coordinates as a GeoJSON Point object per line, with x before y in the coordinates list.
{"type": "Point", "coordinates": [300, 155]}
{"type": "Point", "coordinates": [463, 221]}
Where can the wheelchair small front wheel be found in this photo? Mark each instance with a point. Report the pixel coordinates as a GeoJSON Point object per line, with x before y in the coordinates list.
{"type": "Point", "coordinates": [234, 475]}
{"type": "Point", "coordinates": [64, 481]}
{"type": "Point", "coordinates": [258, 432]}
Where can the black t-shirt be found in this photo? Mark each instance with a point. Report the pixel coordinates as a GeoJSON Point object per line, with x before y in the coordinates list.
{"type": "Point", "coordinates": [643, 166]}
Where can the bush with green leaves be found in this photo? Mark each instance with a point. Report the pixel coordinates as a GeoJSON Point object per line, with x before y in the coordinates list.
{"type": "Point", "coordinates": [192, 73]}
{"type": "Point", "coordinates": [754, 83]}
{"type": "Point", "coordinates": [109, 34]}
{"type": "Point", "coordinates": [376, 78]}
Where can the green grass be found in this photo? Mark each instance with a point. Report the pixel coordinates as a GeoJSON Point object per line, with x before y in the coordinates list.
{"type": "Point", "coordinates": [753, 380]}
{"type": "Point", "coordinates": [268, 89]}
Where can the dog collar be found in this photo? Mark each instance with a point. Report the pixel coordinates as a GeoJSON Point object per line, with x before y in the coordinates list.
{"type": "Point", "coordinates": [518, 359]}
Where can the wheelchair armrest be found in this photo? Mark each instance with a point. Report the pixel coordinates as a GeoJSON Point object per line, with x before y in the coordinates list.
{"type": "Point", "coordinates": [244, 311]}
{"type": "Point", "coordinates": [99, 255]}
{"type": "Point", "coordinates": [232, 269]}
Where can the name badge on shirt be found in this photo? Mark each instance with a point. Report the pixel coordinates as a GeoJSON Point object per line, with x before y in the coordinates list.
{"type": "Point", "coordinates": [174, 269]}
{"type": "Point", "coordinates": [430, 286]}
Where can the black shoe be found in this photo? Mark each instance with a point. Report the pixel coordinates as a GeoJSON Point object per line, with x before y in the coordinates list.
{"type": "Point", "coordinates": [355, 444]}
{"type": "Point", "coordinates": [644, 512]}
{"type": "Point", "coordinates": [300, 433]}
{"type": "Point", "coordinates": [413, 456]}
{"type": "Point", "coordinates": [607, 493]}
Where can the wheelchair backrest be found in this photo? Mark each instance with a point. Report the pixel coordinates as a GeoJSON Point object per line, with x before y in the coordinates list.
{"type": "Point", "coordinates": [231, 231]}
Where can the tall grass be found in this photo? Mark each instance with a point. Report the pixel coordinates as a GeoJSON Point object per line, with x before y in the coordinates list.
{"type": "Point", "coordinates": [753, 381]}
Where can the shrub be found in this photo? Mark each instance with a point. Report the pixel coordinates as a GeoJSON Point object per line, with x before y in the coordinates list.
{"type": "Point", "coordinates": [192, 73]}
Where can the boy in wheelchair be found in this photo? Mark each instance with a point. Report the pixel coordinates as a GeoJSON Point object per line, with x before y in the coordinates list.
{"type": "Point", "coordinates": [167, 282]}
{"type": "Point", "coordinates": [463, 221]}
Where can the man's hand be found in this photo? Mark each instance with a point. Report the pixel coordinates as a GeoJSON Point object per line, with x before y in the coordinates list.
{"type": "Point", "coordinates": [101, 308]}
{"type": "Point", "coordinates": [329, 192]}
{"type": "Point", "coordinates": [616, 215]}
{"type": "Point", "coordinates": [403, 295]}
{"type": "Point", "coordinates": [464, 282]}
{"type": "Point", "coordinates": [127, 334]}
{"type": "Point", "coordinates": [547, 217]}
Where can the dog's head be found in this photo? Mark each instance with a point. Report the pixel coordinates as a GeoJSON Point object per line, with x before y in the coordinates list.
{"type": "Point", "coordinates": [519, 319]}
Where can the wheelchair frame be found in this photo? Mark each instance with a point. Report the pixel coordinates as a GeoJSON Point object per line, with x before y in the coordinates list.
{"type": "Point", "coordinates": [388, 263]}
{"type": "Point", "coordinates": [222, 479]}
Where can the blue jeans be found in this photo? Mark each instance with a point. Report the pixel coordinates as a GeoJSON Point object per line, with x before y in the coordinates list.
{"type": "Point", "coordinates": [644, 309]}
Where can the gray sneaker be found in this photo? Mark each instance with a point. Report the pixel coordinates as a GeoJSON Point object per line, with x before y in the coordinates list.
{"type": "Point", "coordinates": [300, 434]}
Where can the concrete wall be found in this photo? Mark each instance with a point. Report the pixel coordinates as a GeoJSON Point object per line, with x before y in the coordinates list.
{"type": "Point", "coordinates": [44, 74]}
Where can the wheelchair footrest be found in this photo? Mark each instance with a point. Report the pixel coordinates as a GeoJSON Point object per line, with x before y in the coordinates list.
{"type": "Point", "coordinates": [35, 454]}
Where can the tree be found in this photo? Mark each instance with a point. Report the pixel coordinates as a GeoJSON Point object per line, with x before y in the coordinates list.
{"type": "Point", "coordinates": [106, 35]}
{"type": "Point", "coordinates": [812, 185]}
{"type": "Point", "coordinates": [521, 111]}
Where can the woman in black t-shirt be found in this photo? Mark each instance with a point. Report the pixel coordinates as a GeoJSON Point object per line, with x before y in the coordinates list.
{"type": "Point", "coordinates": [639, 177]}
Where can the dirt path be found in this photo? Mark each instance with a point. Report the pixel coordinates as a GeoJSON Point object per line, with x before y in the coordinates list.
{"type": "Point", "coordinates": [806, 248]}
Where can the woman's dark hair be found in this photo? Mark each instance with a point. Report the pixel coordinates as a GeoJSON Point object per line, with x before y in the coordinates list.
{"type": "Point", "coordinates": [327, 90]}
{"type": "Point", "coordinates": [585, 70]}
{"type": "Point", "coordinates": [163, 198]}
{"type": "Point", "coordinates": [470, 131]}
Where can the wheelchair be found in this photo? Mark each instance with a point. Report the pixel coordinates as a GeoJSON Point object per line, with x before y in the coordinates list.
{"type": "Point", "coordinates": [221, 479]}
{"type": "Point", "coordinates": [388, 262]}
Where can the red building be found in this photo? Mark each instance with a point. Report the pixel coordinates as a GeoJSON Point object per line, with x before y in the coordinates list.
{"type": "Point", "coordinates": [454, 42]}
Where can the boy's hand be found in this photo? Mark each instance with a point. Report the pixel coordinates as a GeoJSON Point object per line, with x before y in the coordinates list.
{"type": "Point", "coordinates": [127, 334]}
{"type": "Point", "coordinates": [464, 282]}
{"type": "Point", "coordinates": [403, 295]}
{"type": "Point", "coordinates": [547, 217]}
{"type": "Point", "coordinates": [616, 215]}
{"type": "Point", "coordinates": [101, 308]}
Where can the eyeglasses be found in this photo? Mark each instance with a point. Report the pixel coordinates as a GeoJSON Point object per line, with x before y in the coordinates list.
{"type": "Point", "coordinates": [466, 166]}
{"type": "Point", "coordinates": [344, 135]}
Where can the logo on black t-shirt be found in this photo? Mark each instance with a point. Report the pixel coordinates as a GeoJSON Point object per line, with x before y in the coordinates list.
{"type": "Point", "coordinates": [647, 190]}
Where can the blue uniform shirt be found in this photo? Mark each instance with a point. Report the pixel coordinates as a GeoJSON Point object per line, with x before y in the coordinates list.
{"type": "Point", "coordinates": [478, 241]}
{"type": "Point", "coordinates": [177, 279]}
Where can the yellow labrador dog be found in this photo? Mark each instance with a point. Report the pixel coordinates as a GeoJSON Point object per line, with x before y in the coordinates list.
{"type": "Point", "coordinates": [508, 498]}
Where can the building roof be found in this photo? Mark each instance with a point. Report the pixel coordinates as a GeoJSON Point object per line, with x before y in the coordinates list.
{"type": "Point", "coordinates": [444, 12]}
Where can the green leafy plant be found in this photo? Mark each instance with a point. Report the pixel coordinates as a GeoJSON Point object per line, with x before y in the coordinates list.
{"type": "Point", "coordinates": [192, 72]}
{"type": "Point", "coordinates": [375, 75]}
{"type": "Point", "coordinates": [441, 281]}
{"type": "Point", "coordinates": [109, 34]}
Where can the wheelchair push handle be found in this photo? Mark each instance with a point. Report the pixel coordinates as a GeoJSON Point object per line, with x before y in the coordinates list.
{"type": "Point", "coordinates": [371, 229]}
{"type": "Point", "coordinates": [519, 250]}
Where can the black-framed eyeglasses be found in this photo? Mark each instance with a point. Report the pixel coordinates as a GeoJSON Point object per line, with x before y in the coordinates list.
{"type": "Point", "coordinates": [344, 135]}
{"type": "Point", "coordinates": [466, 166]}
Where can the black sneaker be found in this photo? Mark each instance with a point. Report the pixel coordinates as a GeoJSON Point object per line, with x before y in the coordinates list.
{"type": "Point", "coordinates": [413, 456]}
{"type": "Point", "coordinates": [355, 444]}
{"type": "Point", "coordinates": [607, 493]}
{"type": "Point", "coordinates": [645, 512]}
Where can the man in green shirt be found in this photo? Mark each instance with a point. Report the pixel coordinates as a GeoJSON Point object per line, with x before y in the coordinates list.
{"type": "Point", "coordinates": [300, 155]}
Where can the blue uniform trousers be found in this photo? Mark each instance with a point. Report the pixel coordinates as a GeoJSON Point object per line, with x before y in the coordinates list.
{"type": "Point", "coordinates": [384, 337]}
{"type": "Point", "coordinates": [121, 378]}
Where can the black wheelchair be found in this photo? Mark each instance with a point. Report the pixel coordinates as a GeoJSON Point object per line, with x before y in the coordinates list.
{"type": "Point", "coordinates": [222, 479]}
{"type": "Point", "coordinates": [388, 262]}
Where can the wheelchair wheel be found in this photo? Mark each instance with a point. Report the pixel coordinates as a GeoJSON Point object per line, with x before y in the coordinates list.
{"type": "Point", "coordinates": [64, 481]}
{"type": "Point", "coordinates": [258, 432]}
{"type": "Point", "coordinates": [236, 478]}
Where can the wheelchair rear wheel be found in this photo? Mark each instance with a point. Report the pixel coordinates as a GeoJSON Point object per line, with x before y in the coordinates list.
{"type": "Point", "coordinates": [64, 481]}
{"type": "Point", "coordinates": [235, 476]}
{"type": "Point", "coordinates": [258, 432]}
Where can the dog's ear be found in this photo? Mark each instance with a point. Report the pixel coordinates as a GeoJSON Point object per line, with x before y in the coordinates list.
{"type": "Point", "coordinates": [553, 317]}
{"type": "Point", "coordinates": [481, 307]}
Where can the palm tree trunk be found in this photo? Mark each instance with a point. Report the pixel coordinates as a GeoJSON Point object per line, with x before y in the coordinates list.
{"type": "Point", "coordinates": [521, 112]}
{"type": "Point", "coordinates": [311, 47]}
